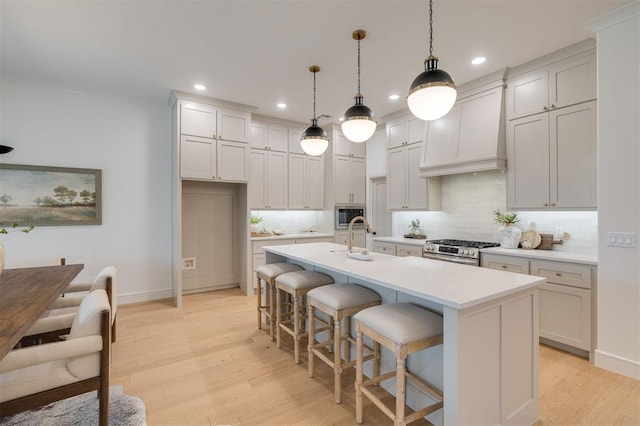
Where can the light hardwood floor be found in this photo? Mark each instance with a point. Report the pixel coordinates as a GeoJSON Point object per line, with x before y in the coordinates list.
{"type": "Point", "coordinates": [208, 364]}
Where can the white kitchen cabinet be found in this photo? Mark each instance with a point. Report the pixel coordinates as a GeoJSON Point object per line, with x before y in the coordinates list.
{"type": "Point", "coordinates": [406, 189]}
{"type": "Point", "coordinates": [306, 182]}
{"type": "Point", "coordinates": [215, 160]}
{"type": "Point", "coordinates": [208, 121]}
{"type": "Point", "coordinates": [359, 238]}
{"type": "Point", "coordinates": [405, 250]}
{"type": "Point", "coordinates": [384, 247]}
{"type": "Point", "coordinates": [470, 138]}
{"type": "Point", "coordinates": [269, 183]}
{"type": "Point", "coordinates": [566, 304]}
{"type": "Point", "coordinates": [269, 136]}
{"type": "Point", "coordinates": [505, 263]}
{"type": "Point", "coordinates": [343, 146]}
{"type": "Point", "coordinates": [553, 159]}
{"type": "Point", "coordinates": [404, 130]}
{"type": "Point", "coordinates": [349, 182]}
{"type": "Point", "coordinates": [562, 83]}
{"type": "Point", "coordinates": [294, 141]}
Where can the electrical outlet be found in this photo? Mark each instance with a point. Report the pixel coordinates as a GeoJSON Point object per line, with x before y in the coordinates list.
{"type": "Point", "coordinates": [189, 263]}
{"type": "Point", "coordinates": [557, 234]}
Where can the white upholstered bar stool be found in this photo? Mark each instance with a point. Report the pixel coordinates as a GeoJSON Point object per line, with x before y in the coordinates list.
{"type": "Point", "coordinates": [404, 329]}
{"type": "Point", "coordinates": [267, 299]}
{"type": "Point", "coordinates": [340, 302]}
{"type": "Point", "coordinates": [296, 284]}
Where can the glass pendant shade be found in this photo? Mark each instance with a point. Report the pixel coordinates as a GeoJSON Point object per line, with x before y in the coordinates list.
{"type": "Point", "coordinates": [359, 123]}
{"type": "Point", "coordinates": [432, 93]}
{"type": "Point", "coordinates": [314, 140]}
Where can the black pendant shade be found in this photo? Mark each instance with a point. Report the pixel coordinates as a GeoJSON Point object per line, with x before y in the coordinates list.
{"type": "Point", "coordinates": [5, 149]}
{"type": "Point", "coordinates": [314, 131]}
{"type": "Point", "coordinates": [432, 76]}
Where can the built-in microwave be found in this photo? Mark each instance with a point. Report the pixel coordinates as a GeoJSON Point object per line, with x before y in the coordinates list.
{"type": "Point", "coordinates": [344, 215]}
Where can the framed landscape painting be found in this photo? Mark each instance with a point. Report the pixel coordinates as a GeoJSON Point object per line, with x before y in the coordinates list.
{"type": "Point", "coordinates": [46, 196]}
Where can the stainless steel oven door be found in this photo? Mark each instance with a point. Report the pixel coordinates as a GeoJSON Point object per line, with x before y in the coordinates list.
{"type": "Point", "coordinates": [454, 259]}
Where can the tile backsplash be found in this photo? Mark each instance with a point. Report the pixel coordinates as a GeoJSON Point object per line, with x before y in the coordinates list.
{"type": "Point", "coordinates": [468, 202]}
{"type": "Point", "coordinates": [289, 221]}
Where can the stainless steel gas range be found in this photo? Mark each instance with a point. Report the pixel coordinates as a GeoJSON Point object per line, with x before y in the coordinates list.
{"type": "Point", "coordinates": [458, 251]}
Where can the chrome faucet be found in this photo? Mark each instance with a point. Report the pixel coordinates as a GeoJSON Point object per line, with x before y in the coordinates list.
{"type": "Point", "coordinates": [355, 219]}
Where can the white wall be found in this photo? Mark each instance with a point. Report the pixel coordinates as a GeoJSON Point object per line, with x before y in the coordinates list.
{"type": "Point", "coordinates": [131, 145]}
{"type": "Point", "coordinates": [618, 47]}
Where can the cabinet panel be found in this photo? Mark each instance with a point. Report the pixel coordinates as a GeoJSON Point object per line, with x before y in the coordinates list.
{"type": "Point", "coordinates": [342, 180]}
{"type": "Point", "coordinates": [396, 132]}
{"type": "Point", "coordinates": [396, 179]}
{"type": "Point", "coordinates": [404, 250]}
{"type": "Point", "coordinates": [306, 182]}
{"type": "Point", "coordinates": [343, 146]}
{"type": "Point", "coordinates": [277, 182]}
{"type": "Point", "coordinates": [277, 138]}
{"type": "Point", "coordinates": [505, 263]}
{"type": "Point", "coordinates": [258, 182]}
{"type": "Point", "coordinates": [565, 315]}
{"type": "Point", "coordinates": [358, 181]}
{"type": "Point", "coordinates": [574, 275]}
{"type": "Point", "coordinates": [234, 125]}
{"type": "Point", "coordinates": [528, 154]}
{"type": "Point", "coordinates": [294, 141]}
{"type": "Point", "coordinates": [359, 238]}
{"type": "Point", "coordinates": [315, 183]}
{"type": "Point", "coordinates": [258, 136]}
{"type": "Point", "coordinates": [297, 191]}
{"type": "Point", "coordinates": [442, 138]}
{"type": "Point", "coordinates": [416, 190]}
{"type": "Point", "coordinates": [528, 94]}
{"type": "Point", "coordinates": [197, 157]}
{"type": "Point", "coordinates": [384, 247]}
{"type": "Point", "coordinates": [415, 129]}
{"type": "Point", "coordinates": [572, 80]}
{"type": "Point", "coordinates": [233, 161]}
{"type": "Point", "coordinates": [573, 162]}
{"type": "Point", "coordinates": [198, 120]}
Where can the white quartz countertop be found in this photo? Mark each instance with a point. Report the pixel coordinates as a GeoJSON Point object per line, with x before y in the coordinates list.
{"type": "Point", "coordinates": [297, 236]}
{"type": "Point", "coordinates": [559, 256]}
{"type": "Point", "coordinates": [400, 240]}
{"type": "Point", "coordinates": [449, 284]}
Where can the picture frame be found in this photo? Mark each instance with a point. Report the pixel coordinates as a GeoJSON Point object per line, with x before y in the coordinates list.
{"type": "Point", "coordinates": [50, 196]}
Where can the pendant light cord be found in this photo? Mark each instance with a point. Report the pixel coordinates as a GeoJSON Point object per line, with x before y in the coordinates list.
{"type": "Point", "coordinates": [430, 27]}
{"type": "Point", "coordinates": [314, 95]}
{"type": "Point", "coordinates": [359, 67]}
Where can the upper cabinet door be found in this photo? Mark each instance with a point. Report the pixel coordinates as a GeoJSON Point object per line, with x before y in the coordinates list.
{"type": "Point", "coordinates": [396, 133]}
{"type": "Point", "coordinates": [198, 120]}
{"type": "Point", "coordinates": [415, 129]}
{"type": "Point", "coordinates": [572, 81]}
{"type": "Point", "coordinates": [528, 94]}
{"type": "Point", "coordinates": [358, 176]}
{"type": "Point", "coordinates": [294, 141]}
{"type": "Point", "coordinates": [343, 146]}
{"type": "Point", "coordinates": [233, 161]}
{"type": "Point", "coordinates": [314, 177]}
{"type": "Point", "coordinates": [258, 135]}
{"type": "Point", "coordinates": [197, 158]}
{"type": "Point", "coordinates": [257, 187]}
{"type": "Point", "coordinates": [234, 125]}
{"type": "Point", "coordinates": [277, 138]}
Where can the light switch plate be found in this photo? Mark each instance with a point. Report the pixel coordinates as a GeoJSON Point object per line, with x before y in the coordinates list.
{"type": "Point", "coordinates": [621, 239]}
{"type": "Point", "coordinates": [189, 263]}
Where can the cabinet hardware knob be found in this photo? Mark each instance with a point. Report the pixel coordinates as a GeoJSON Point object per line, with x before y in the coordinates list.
{"type": "Point", "coordinates": [545, 204]}
{"type": "Point", "coordinates": [553, 204]}
{"type": "Point", "coordinates": [504, 266]}
{"type": "Point", "coordinates": [558, 274]}
{"type": "Point", "coordinates": [544, 108]}
{"type": "Point", "coordinates": [553, 106]}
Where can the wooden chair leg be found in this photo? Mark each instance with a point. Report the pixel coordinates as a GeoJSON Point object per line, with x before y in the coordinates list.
{"type": "Point", "coordinates": [296, 329]}
{"type": "Point", "coordinates": [259, 294]}
{"type": "Point", "coordinates": [401, 384]}
{"type": "Point", "coordinates": [272, 311]}
{"type": "Point", "coordinates": [278, 317]}
{"type": "Point", "coordinates": [311, 340]}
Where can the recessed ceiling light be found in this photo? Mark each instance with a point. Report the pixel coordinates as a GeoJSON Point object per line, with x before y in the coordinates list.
{"type": "Point", "coordinates": [282, 105]}
{"type": "Point", "coordinates": [479, 60]}
{"type": "Point", "coordinates": [394, 97]}
{"type": "Point", "coordinates": [199, 86]}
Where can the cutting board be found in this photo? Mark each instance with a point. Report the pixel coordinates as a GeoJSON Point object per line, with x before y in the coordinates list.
{"type": "Point", "coordinates": [530, 239]}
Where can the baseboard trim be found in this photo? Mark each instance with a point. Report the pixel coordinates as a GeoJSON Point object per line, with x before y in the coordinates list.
{"type": "Point", "coordinates": [617, 364]}
{"type": "Point", "coordinates": [144, 296]}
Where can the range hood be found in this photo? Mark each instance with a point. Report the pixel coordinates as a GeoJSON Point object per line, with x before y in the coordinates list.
{"type": "Point", "coordinates": [471, 137]}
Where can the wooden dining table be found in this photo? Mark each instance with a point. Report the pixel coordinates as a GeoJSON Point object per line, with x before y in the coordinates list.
{"type": "Point", "coordinates": [25, 294]}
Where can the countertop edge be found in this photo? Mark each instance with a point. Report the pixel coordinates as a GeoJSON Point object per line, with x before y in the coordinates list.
{"type": "Point", "coordinates": [557, 256]}
{"type": "Point", "coordinates": [300, 235]}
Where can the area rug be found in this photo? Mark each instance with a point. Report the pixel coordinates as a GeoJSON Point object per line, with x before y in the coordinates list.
{"type": "Point", "coordinates": [124, 410]}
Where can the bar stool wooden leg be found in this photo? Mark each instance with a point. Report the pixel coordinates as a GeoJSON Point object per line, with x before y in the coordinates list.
{"type": "Point", "coordinates": [311, 340]}
{"type": "Point", "coordinates": [401, 390]}
{"type": "Point", "coordinates": [359, 374]}
{"type": "Point", "coordinates": [337, 364]}
{"type": "Point", "coordinates": [296, 329]}
{"type": "Point", "coordinates": [259, 290]}
{"type": "Point", "coordinates": [278, 318]}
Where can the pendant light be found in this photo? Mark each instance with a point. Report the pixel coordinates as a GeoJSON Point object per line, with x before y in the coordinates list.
{"type": "Point", "coordinates": [433, 92]}
{"type": "Point", "coordinates": [5, 149]}
{"type": "Point", "coordinates": [314, 140]}
{"type": "Point", "coordinates": [359, 122]}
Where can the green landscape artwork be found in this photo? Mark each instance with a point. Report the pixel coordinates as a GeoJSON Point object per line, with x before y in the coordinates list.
{"type": "Point", "coordinates": [42, 196]}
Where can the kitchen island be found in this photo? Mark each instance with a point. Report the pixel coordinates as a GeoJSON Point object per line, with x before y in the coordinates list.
{"type": "Point", "coordinates": [488, 364]}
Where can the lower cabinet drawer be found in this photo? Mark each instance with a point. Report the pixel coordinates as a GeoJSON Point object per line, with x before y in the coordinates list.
{"type": "Point", "coordinates": [403, 250]}
{"type": "Point", "coordinates": [565, 315]}
{"type": "Point", "coordinates": [386, 248]}
{"type": "Point", "coordinates": [571, 274]}
{"type": "Point", "coordinates": [505, 263]}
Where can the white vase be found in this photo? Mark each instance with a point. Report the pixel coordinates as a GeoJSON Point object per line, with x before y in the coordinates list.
{"type": "Point", "coordinates": [509, 236]}
{"type": "Point", "coordinates": [256, 228]}
{"type": "Point", "coordinates": [1, 258]}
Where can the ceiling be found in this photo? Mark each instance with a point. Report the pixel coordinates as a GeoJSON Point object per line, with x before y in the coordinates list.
{"type": "Point", "coordinates": [258, 53]}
